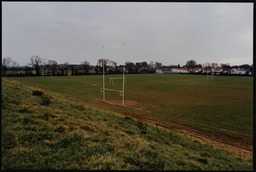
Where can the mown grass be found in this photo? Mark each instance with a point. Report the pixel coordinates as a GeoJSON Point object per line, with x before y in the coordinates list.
{"type": "Point", "coordinates": [223, 102]}
{"type": "Point", "coordinates": [66, 135]}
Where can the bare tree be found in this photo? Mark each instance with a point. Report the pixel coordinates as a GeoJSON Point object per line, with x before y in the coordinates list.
{"type": "Point", "coordinates": [66, 67]}
{"type": "Point", "coordinates": [158, 65]}
{"type": "Point", "coordinates": [102, 61]}
{"type": "Point", "coordinates": [151, 65]}
{"type": "Point", "coordinates": [36, 61]}
{"type": "Point", "coordinates": [6, 64]}
{"type": "Point", "coordinates": [14, 66]}
{"type": "Point", "coordinates": [191, 64]}
{"type": "Point", "coordinates": [113, 68]}
{"type": "Point", "coordinates": [62, 68]}
{"type": "Point", "coordinates": [43, 65]}
{"type": "Point", "coordinates": [130, 66]}
{"type": "Point", "coordinates": [53, 65]}
{"type": "Point", "coordinates": [86, 66]}
{"type": "Point", "coordinates": [144, 67]}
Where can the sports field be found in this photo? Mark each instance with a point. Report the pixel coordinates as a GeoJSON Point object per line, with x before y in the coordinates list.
{"type": "Point", "coordinates": [222, 104]}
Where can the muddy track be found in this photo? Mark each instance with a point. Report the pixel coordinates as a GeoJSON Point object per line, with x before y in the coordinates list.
{"type": "Point", "coordinates": [224, 137]}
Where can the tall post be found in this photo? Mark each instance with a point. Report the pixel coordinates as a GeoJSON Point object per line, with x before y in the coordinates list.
{"type": "Point", "coordinates": [123, 77]}
{"type": "Point", "coordinates": [103, 71]}
{"type": "Point", "coordinates": [207, 69]}
{"type": "Point", "coordinates": [123, 87]}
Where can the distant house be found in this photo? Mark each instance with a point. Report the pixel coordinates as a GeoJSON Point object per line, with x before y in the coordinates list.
{"type": "Point", "coordinates": [206, 70]}
{"type": "Point", "coordinates": [159, 71]}
{"type": "Point", "coordinates": [185, 70]}
{"type": "Point", "coordinates": [216, 71]}
{"type": "Point", "coordinates": [238, 71]}
{"type": "Point", "coordinates": [181, 70]}
{"type": "Point", "coordinates": [176, 70]}
{"type": "Point", "coordinates": [197, 70]}
{"type": "Point", "coordinates": [242, 71]}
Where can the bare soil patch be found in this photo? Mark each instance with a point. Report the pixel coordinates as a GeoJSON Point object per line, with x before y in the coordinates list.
{"type": "Point", "coordinates": [119, 102]}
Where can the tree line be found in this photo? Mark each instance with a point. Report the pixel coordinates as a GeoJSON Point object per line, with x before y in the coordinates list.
{"type": "Point", "coordinates": [38, 66]}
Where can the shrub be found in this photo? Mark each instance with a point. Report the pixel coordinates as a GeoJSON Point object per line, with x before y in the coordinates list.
{"type": "Point", "coordinates": [47, 115]}
{"type": "Point", "coordinates": [45, 99]}
{"type": "Point", "coordinates": [37, 92]}
{"type": "Point", "coordinates": [61, 128]}
{"type": "Point", "coordinates": [80, 107]}
{"type": "Point", "coordinates": [25, 110]}
{"type": "Point", "coordinates": [28, 120]}
{"type": "Point", "coordinates": [142, 127]}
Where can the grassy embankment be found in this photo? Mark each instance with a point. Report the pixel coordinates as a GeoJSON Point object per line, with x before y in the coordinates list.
{"type": "Point", "coordinates": [70, 135]}
{"type": "Point", "coordinates": [224, 102]}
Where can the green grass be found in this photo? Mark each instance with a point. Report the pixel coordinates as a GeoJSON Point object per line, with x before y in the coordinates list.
{"type": "Point", "coordinates": [67, 135]}
{"type": "Point", "coordinates": [223, 102]}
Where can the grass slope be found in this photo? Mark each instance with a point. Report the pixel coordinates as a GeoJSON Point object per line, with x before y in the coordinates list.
{"type": "Point", "coordinates": [224, 102]}
{"type": "Point", "coordinates": [69, 135]}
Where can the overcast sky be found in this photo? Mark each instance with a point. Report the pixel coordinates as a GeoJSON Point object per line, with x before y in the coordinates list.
{"type": "Point", "coordinates": [170, 33]}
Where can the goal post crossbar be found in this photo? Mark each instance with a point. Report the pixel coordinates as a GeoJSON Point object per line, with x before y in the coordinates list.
{"type": "Point", "coordinates": [116, 78]}
{"type": "Point", "coordinates": [108, 89]}
{"type": "Point", "coordinates": [111, 79]}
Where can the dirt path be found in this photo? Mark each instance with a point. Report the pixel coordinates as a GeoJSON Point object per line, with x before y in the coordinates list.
{"type": "Point", "coordinates": [119, 102]}
{"type": "Point", "coordinates": [221, 136]}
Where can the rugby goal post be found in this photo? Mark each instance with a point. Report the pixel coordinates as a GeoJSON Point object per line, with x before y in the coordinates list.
{"type": "Point", "coordinates": [104, 89]}
{"type": "Point", "coordinates": [207, 65]}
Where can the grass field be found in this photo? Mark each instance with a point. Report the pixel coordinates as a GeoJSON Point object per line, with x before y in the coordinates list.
{"type": "Point", "coordinates": [224, 103]}
{"type": "Point", "coordinates": [68, 135]}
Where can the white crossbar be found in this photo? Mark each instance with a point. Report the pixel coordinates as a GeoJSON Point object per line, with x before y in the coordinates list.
{"type": "Point", "coordinates": [116, 78]}
{"type": "Point", "coordinates": [113, 90]}
{"type": "Point", "coordinates": [121, 92]}
{"type": "Point", "coordinates": [111, 79]}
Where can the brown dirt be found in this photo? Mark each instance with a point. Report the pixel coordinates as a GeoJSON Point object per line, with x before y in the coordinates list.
{"type": "Point", "coordinates": [119, 102]}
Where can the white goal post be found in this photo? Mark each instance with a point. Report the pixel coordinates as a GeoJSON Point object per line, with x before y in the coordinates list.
{"type": "Point", "coordinates": [111, 80]}
{"type": "Point", "coordinates": [103, 90]}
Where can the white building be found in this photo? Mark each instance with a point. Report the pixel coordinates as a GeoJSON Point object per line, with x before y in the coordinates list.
{"type": "Point", "coordinates": [159, 71]}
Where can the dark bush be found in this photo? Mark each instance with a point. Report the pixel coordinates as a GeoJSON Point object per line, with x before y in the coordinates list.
{"type": "Point", "coordinates": [61, 128]}
{"type": "Point", "coordinates": [46, 99]}
{"type": "Point", "coordinates": [47, 115]}
{"type": "Point", "coordinates": [37, 93]}
{"type": "Point", "coordinates": [142, 127]}
{"type": "Point", "coordinates": [203, 160]}
{"type": "Point", "coordinates": [28, 120]}
{"type": "Point", "coordinates": [80, 107]}
{"type": "Point", "coordinates": [25, 110]}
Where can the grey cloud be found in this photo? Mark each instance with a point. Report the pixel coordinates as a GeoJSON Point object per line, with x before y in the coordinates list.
{"type": "Point", "coordinates": [167, 32]}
